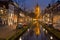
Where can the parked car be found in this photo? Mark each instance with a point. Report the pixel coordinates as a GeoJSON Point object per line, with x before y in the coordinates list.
{"type": "Point", "coordinates": [19, 26]}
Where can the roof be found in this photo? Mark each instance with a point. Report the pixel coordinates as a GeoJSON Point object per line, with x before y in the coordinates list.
{"type": "Point", "coordinates": [55, 8]}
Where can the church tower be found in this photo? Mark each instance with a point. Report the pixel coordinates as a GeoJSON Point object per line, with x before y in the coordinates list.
{"type": "Point", "coordinates": [37, 11]}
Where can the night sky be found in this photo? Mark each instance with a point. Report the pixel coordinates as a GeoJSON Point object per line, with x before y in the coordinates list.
{"type": "Point", "coordinates": [30, 4]}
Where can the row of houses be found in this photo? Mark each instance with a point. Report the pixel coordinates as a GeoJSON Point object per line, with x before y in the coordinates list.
{"type": "Point", "coordinates": [9, 11]}
{"type": "Point", "coordinates": [52, 15]}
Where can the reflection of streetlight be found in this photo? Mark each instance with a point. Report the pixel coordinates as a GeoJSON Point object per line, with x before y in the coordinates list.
{"type": "Point", "coordinates": [51, 37]}
{"type": "Point", "coordinates": [20, 38]}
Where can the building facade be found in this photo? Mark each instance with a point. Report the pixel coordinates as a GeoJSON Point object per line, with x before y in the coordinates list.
{"type": "Point", "coordinates": [9, 13]}
{"type": "Point", "coordinates": [52, 15]}
{"type": "Point", "coordinates": [3, 11]}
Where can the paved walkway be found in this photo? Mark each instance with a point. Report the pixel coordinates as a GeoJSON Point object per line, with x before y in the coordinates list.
{"type": "Point", "coordinates": [6, 32]}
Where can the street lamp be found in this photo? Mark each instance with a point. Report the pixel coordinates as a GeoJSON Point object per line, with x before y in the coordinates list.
{"type": "Point", "coordinates": [22, 15]}
{"type": "Point", "coordinates": [1, 11]}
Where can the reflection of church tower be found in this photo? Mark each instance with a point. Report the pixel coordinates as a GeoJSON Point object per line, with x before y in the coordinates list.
{"type": "Point", "coordinates": [37, 11]}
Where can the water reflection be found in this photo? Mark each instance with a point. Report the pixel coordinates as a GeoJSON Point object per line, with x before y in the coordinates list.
{"type": "Point", "coordinates": [20, 38]}
{"type": "Point", "coordinates": [36, 32]}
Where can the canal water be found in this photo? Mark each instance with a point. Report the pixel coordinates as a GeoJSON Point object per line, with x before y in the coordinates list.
{"type": "Point", "coordinates": [30, 35]}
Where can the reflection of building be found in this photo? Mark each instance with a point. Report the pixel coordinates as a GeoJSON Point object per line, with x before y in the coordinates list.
{"type": "Point", "coordinates": [54, 13]}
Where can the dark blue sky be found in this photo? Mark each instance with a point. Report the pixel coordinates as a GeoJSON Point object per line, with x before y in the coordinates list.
{"type": "Point", "coordinates": [42, 3]}
{"type": "Point", "coordinates": [29, 4]}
